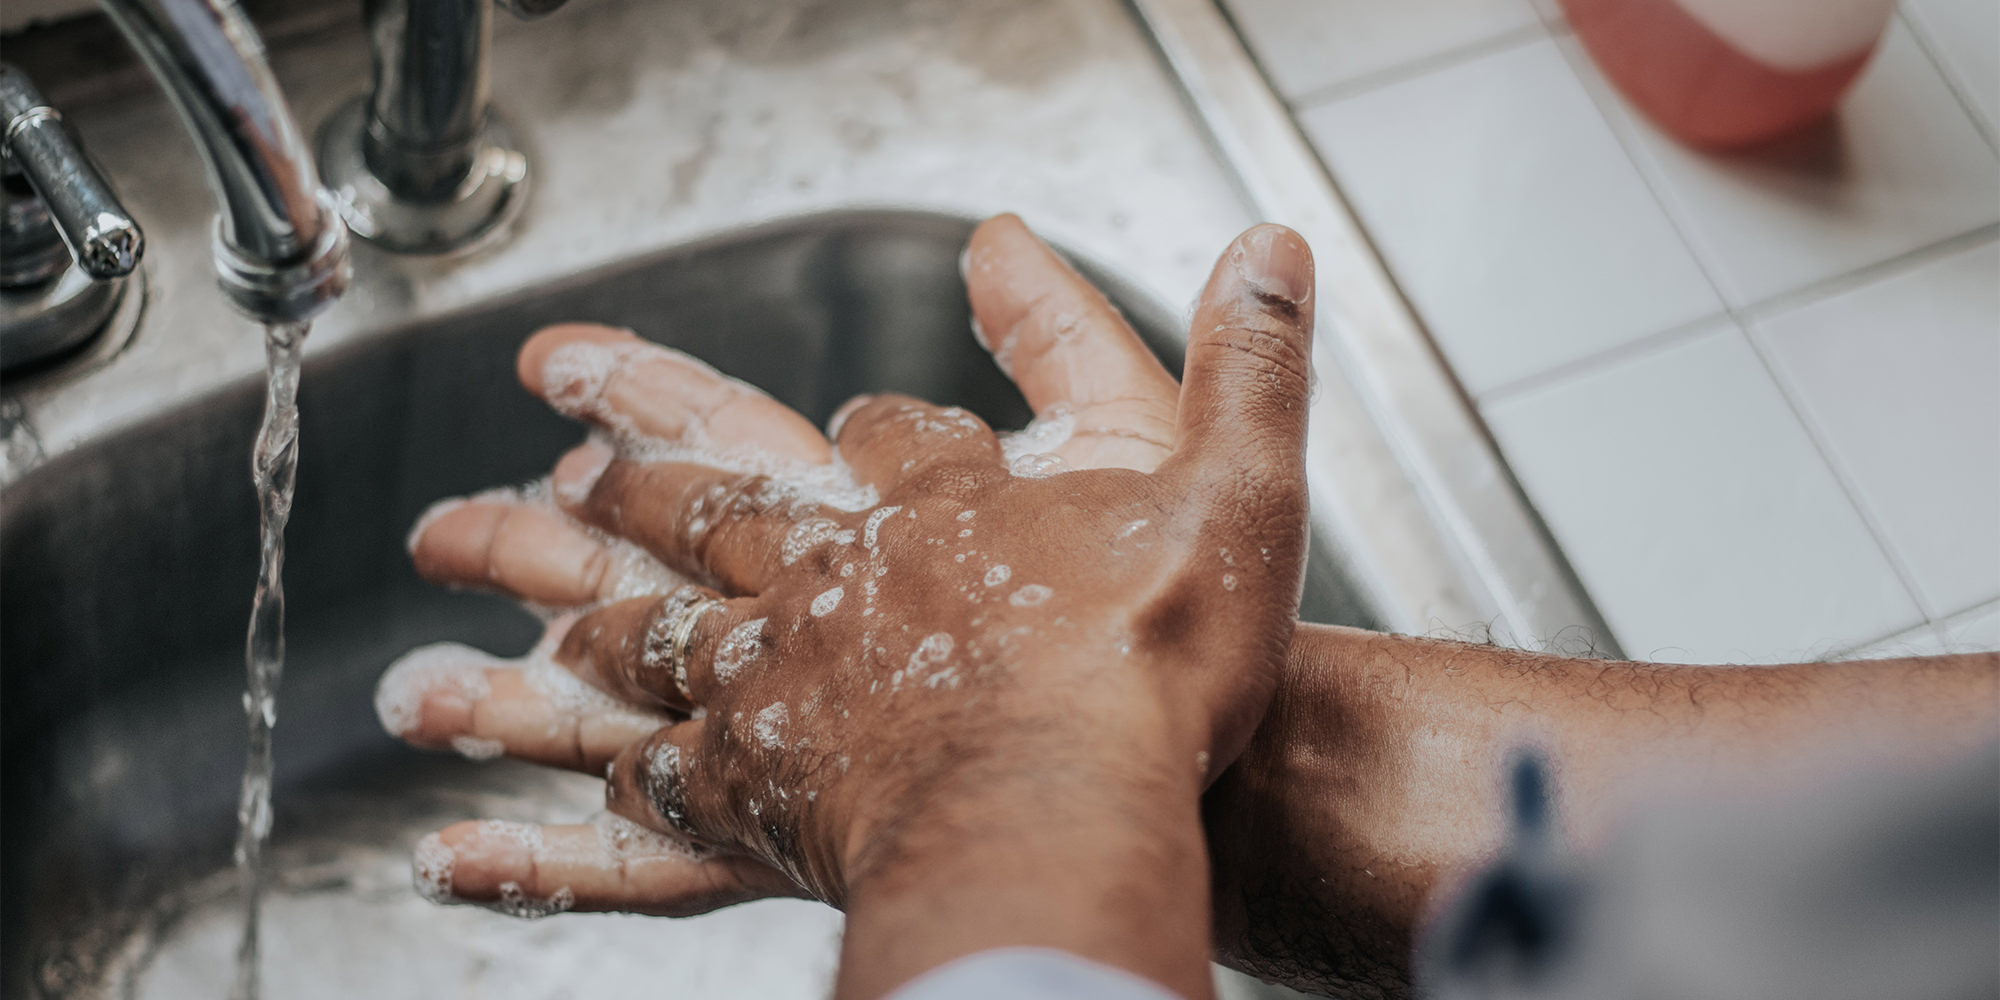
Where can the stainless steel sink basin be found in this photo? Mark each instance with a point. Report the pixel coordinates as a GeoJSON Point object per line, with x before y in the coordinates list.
{"type": "Point", "coordinates": [129, 564]}
{"type": "Point", "coordinates": [779, 186]}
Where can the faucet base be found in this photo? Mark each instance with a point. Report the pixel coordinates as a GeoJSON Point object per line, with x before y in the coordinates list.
{"type": "Point", "coordinates": [57, 318]}
{"type": "Point", "coordinates": [492, 193]}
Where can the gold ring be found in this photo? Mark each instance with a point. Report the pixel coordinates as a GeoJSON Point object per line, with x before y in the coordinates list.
{"type": "Point", "coordinates": [677, 646]}
{"type": "Point", "coordinates": [667, 638]}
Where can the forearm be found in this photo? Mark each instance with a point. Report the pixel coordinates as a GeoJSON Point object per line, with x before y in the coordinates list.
{"type": "Point", "coordinates": [1377, 772]}
{"type": "Point", "coordinates": [1110, 867]}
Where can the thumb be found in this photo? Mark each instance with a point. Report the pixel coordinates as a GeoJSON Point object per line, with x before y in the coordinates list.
{"type": "Point", "coordinates": [1249, 365]}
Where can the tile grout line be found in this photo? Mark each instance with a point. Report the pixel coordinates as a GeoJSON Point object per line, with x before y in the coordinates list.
{"type": "Point", "coordinates": [1746, 318]}
{"type": "Point", "coordinates": [1973, 610]}
{"type": "Point", "coordinates": [1601, 96]}
{"type": "Point", "coordinates": [1570, 53]}
{"type": "Point", "coordinates": [1882, 270]}
{"type": "Point", "coordinates": [1512, 38]}
{"type": "Point", "coordinates": [1759, 312]}
{"type": "Point", "coordinates": [1596, 88]}
{"type": "Point", "coordinates": [1921, 31]}
{"type": "Point", "coordinates": [1848, 653]}
{"type": "Point", "coordinates": [1841, 476]}
{"type": "Point", "coordinates": [1935, 626]}
{"type": "Point", "coordinates": [1646, 344]}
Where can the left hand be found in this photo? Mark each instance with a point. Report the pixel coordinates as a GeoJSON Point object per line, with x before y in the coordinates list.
{"type": "Point", "coordinates": [1125, 417]}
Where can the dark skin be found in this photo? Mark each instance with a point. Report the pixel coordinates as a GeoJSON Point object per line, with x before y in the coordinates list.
{"type": "Point", "coordinates": [1371, 781]}
{"type": "Point", "coordinates": [974, 709]}
{"type": "Point", "coordinates": [1375, 778]}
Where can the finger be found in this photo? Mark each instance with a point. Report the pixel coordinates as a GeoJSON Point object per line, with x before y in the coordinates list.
{"type": "Point", "coordinates": [529, 552]}
{"type": "Point", "coordinates": [732, 529]}
{"type": "Point", "coordinates": [623, 383]}
{"type": "Point", "coordinates": [453, 697]}
{"type": "Point", "coordinates": [624, 649]}
{"type": "Point", "coordinates": [662, 782]}
{"type": "Point", "coordinates": [1249, 366]}
{"type": "Point", "coordinates": [610, 864]}
{"type": "Point", "coordinates": [1066, 347]}
{"type": "Point", "coordinates": [889, 440]}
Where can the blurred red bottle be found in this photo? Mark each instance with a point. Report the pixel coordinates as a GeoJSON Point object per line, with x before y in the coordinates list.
{"type": "Point", "coordinates": [1722, 73]}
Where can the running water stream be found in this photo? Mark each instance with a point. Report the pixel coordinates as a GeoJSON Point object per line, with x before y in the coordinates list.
{"type": "Point", "coordinates": [274, 470]}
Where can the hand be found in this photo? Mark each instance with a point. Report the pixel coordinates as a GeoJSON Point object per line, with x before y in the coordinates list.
{"type": "Point", "coordinates": [1124, 414]}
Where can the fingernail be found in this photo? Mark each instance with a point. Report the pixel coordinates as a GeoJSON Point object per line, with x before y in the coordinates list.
{"type": "Point", "coordinates": [577, 473]}
{"type": "Point", "coordinates": [1274, 260]}
{"type": "Point", "coordinates": [446, 674]}
{"type": "Point", "coordinates": [574, 376]}
{"type": "Point", "coordinates": [429, 517]}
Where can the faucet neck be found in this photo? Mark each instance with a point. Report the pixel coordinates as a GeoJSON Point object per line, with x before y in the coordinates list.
{"type": "Point", "coordinates": [281, 248]}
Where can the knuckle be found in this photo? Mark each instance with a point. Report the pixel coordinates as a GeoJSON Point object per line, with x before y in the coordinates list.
{"type": "Point", "coordinates": [712, 517]}
{"type": "Point", "coordinates": [869, 422]}
{"type": "Point", "coordinates": [663, 779]}
{"type": "Point", "coordinates": [606, 496]}
{"type": "Point", "coordinates": [946, 479]}
{"type": "Point", "coordinates": [598, 578]}
{"type": "Point", "coordinates": [1049, 322]}
{"type": "Point", "coordinates": [1265, 344]}
{"type": "Point", "coordinates": [822, 561]}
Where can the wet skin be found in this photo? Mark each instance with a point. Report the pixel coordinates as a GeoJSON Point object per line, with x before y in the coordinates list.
{"type": "Point", "coordinates": [977, 711]}
{"type": "Point", "coordinates": [1370, 779]}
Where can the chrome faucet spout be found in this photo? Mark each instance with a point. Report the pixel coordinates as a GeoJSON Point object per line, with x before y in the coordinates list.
{"type": "Point", "coordinates": [280, 248]}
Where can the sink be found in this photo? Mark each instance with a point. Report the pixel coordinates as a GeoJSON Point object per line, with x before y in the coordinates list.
{"type": "Point", "coordinates": [781, 187]}
{"type": "Point", "coordinates": [128, 570]}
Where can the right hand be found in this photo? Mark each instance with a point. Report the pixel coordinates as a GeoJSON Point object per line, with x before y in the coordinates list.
{"type": "Point", "coordinates": [1065, 347]}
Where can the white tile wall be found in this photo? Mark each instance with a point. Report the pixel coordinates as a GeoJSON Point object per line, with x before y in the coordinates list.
{"type": "Point", "coordinates": [1509, 213]}
{"type": "Point", "coordinates": [1306, 46]}
{"type": "Point", "coordinates": [1900, 167]}
{"type": "Point", "coordinates": [1822, 484]}
{"type": "Point", "coordinates": [1901, 379]}
{"type": "Point", "coordinates": [1696, 510]}
{"type": "Point", "coordinates": [1963, 33]}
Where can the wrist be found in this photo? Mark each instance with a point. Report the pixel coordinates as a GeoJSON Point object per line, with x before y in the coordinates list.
{"type": "Point", "coordinates": [1103, 859]}
{"type": "Point", "coordinates": [1248, 811]}
{"type": "Point", "coordinates": [1304, 893]}
{"type": "Point", "coordinates": [1007, 767]}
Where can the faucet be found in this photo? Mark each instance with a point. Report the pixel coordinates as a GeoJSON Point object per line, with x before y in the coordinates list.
{"type": "Point", "coordinates": [280, 247]}
{"type": "Point", "coordinates": [422, 164]}
{"type": "Point", "coordinates": [67, 246]}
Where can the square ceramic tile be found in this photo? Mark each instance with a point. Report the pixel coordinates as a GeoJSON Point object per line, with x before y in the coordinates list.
{"type": "Point", "coordinates": [1975, 631]}
{"type": "Point", "coordinates": [1308, 45]}
{"type": "Point", "coordinates": [1965, 36]}
{"type": "Point", "coordinates": [1696, 511]}
{"type": "Point", "coordinates": [1509, 214]}
{"type": "Point", "coordinates": [1900, 381]}
{"type": "Point", "coordinates": [1899, 167]}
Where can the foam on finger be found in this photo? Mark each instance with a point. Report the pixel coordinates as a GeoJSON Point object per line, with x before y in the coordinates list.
{"type": "Point", "coordinates": [575, 379]}
{"type": "Point", "coordinates": [446, 668]}
{"type": "Point", "coordinates": [590, 864]}
{"type": "Point", "coordinates": [634, 571]}
{"type": "Point", "coordinates": [450, 670]}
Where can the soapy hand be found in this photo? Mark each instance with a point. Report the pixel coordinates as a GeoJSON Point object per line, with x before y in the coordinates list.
{"type": "Point", "coordinates": [898, 644]}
